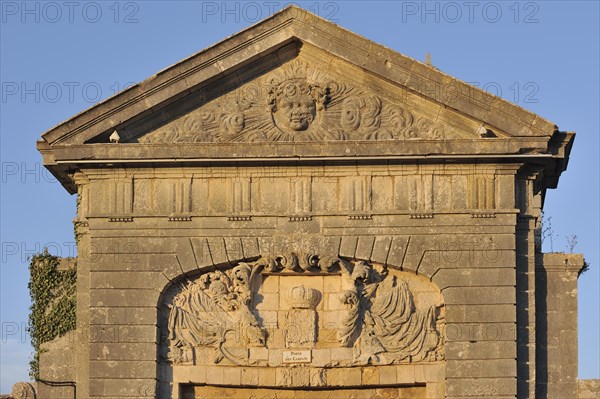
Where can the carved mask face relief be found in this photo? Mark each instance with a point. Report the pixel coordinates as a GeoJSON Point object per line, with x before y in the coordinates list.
{"type": "Point", "coordinates": [297, 96]}
{"type": "Point", "coordinates": [296, 108]}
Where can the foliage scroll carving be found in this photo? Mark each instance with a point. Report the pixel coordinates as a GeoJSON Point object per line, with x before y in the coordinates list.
{"type": "Point", "coordinates": [298, 103]}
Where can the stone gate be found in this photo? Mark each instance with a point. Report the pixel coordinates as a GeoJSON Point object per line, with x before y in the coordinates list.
{"type": "Point", "coordinates": [298, 212]}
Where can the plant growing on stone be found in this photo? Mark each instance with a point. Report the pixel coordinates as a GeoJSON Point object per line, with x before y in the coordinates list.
{"type": "Point", "coordinates": [571, 243]}
{"type": "Point", "coordinates": [53, 300]}
{"type": "Point", "coordinates": [547, 231]}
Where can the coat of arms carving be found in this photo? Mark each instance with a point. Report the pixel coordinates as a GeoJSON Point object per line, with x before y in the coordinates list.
{"type": "Point", "coordinates": [373, 310]}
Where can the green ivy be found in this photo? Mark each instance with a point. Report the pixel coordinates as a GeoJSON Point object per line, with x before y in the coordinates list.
{"type": "Point", "coordinates": [76, 231]}
{"type": "Point", "coordinates": [584, 268]}
{"type": "Point", "coordinates": [53, 302]}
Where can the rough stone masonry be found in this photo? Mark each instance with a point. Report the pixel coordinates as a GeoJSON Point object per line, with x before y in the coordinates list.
{"type": "Point", "coordinates": [298, 212]}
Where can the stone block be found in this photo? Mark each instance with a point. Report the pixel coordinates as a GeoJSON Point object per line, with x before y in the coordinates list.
{"type": "Point", "coordinates": [369, 376]}
{"type": "Point", "coordinates": [333, 302]}
{"type": "Point", "coordinates": [232, 375]}
{"type": "Point", "coordinates": [388, 375]}
{"type": "Point", "coordinates": [436, 390]}
{"type": "Point", "coordinates": [215, 375]}
{"type": "Point", "coordinates": [123, 387]}
{"type": "Point", "coordinates": [275, 358]}
{"type": "Point", "coordinates": [398, 251]}
{"type": "Point", "coordinates": [249, 376]}
{"type": "Point", "coordinates": [487, 332]}
{"type": "Point", "coordinates": [338, 354]}
{"type": "Point", "coordinates": [267, 301]}
{"type": "Point", "coordinates": [128, 280]}
{"type": "Point", "coordinates": [267, 377]}
{"type": "Point", "coordinates": [487, 387]}
{"type": "Point", "coordinates": [259, 353]}
{"type": "Point", "coordinates": [270, 284]}
{"type": "Point", "coordinates": [419, 371]}
{"type": "Point", "coordinates": [118, 333]}
{"type": "Point", "coordinates": [364, 248]}
{"type": "Point", "coordinates": [481, 313]}
{"type": "Point", "coordinates": [434, 372]}
{"type": "Point", "coordinates": [144, 351]}
{"type": "Point", "coordinates": [348, 246]}
{"type": "Point", "coordinates": [269, 318]}
{"type": "Point", "coordinates": [331, 285]}
{"type": "Point", "coordinates": [191, 374]}
{"type": "Point", "coordinates": [321, 357]}
{"type": "Point", "coordinates": [405, 374]}
{"type": "Point", "coordinates": [57, 358]}
{"type": "Point", "coordinates": [250, 247]}
{"type": "Point", "coordinates": [489, 368]}
{"type": "Point", "coordinates": [123, 297]}
{"type": "Point", "coordinates": [381, 249]}
{"type": "Point", "coordinates": [481, 350]}
{"type": "Point", "coordinates": [336, 377]}
{"type": "Point", "coordinates": [317, 377]}
{"type": "Point", "coordinates": [122, 369]}
{"type": "Point", "coordinates": [123, 315]}
{"type": "Point", "coordinates": [479, 295]}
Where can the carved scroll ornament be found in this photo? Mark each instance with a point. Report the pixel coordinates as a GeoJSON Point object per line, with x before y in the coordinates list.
{"type": "Point", "coordinates": [297, 103]}
{"type": "Point", "coordinates": [23, 390]}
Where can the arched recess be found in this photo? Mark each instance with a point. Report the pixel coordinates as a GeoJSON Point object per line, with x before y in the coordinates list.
{"type": "Point", "coordinates": [301, 322]}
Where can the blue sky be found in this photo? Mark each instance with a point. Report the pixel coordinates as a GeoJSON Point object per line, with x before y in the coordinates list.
{"type": "Point", "coordinates": [60, 58]}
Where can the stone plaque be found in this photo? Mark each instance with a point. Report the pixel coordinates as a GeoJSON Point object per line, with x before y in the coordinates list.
{"type": "Point", "coordinates": [299, 356]}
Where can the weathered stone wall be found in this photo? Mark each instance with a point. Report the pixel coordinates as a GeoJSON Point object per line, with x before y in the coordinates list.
{"type": "Point", "coordinates": [556, 295]}
{"type": "Point", "coordinates": [458, 230]}
{"type": "Point", "coordinates": [58, 371]}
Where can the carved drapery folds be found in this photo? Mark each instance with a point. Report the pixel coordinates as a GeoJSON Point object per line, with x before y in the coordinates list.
{"type": "Point", "coordinates": [373, 310]}
{"type": "Point", "coordinates": [382, 324]}
{"type": "Point", "coordinates": [209, 312]}
{"type": "Point", "coordinates": [297, 103]}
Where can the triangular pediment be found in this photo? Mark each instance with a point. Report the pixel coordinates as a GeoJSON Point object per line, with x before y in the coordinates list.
{"type": "Point", "coordinates": [353, 66]}
{"type": "Point", "coordinates": [310, 97]}
{"type": "Point", "coordinates": [282, 88]}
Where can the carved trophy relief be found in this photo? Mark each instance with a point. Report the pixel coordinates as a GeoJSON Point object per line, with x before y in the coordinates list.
{"type": "Point", "coordinates": [374, 310]}
{"type": "Point", "coordinates": [298, 103]}
{"type": "Point", "coordinates": [382, 324]}
{"type": "Point", "coordinates": [211, 312]}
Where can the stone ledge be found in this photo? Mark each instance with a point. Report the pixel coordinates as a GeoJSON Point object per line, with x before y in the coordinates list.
{"type": "Point", "coordinates": [560, 262]}
{"type": "Point", "coordinates": [273, 377]}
